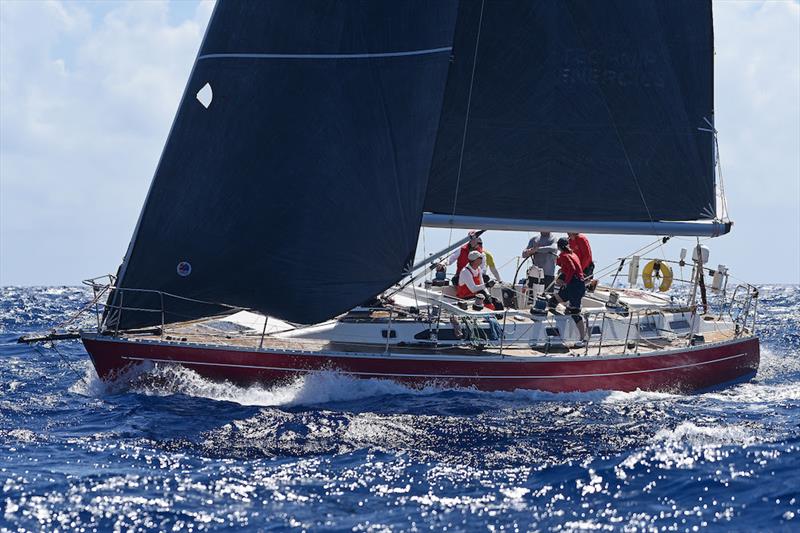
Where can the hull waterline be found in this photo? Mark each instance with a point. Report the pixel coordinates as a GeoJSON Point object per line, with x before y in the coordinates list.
{"type": "Point", "coordinates": [683, 370]}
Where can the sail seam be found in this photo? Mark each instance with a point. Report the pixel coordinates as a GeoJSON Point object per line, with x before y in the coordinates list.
{"type": "Point", "coordinates": [328, 56]}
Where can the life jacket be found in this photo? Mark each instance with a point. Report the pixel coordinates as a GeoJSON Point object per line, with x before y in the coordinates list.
{"type": "Point", "coordinates": [463, 257]}
{"type": "Point", "coordinates": [463, 291]}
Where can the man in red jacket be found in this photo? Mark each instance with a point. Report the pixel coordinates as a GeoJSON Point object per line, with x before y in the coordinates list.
{"type": "Point", "coordinates": [580, 245]}
{"type": "Point", "coordinates": [573, 287]}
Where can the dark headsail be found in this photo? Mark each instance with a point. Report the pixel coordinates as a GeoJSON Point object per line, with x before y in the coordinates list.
{"type": "Point", "coordinates": [578, 110]}
{"type": "Point", "coordinates": [298, 190]}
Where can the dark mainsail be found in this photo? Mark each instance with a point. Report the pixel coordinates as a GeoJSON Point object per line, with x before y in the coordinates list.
{"type": "Point", "coordinates": [578, 110]}
{"type": "Point", "coordinates": [298, 191]}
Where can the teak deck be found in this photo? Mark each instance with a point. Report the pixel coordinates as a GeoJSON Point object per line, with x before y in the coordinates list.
{"type": "Point", "coordinates": [200, 334]}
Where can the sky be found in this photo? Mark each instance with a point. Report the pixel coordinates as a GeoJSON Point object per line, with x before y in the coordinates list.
{"type": "Point", "coordinates": [88, 91]}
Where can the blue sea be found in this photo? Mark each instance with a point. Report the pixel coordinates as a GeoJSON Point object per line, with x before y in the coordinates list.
{"type": "Point", "coordinates": [171, 451]}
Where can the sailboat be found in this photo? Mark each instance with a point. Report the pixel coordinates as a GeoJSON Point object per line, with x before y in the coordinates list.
{"type": "Point", "coordinates": [314, 140]}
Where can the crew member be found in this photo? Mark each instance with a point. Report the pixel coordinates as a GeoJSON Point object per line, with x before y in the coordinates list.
{"type": "Point", "coordinates": [572, 286]}
{"type": "Point", "coordinates": [461, 256]}
{"type": "Point", "coordinates": [580, 245]}
{"type": "Point", "coordinates": [489, 264]}
{"type": "Point", "coordinates": [543, 249]}
{"type": "Point", "coordinates": [470, 281]}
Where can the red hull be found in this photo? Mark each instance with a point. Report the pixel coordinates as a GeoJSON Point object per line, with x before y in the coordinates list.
{"type": "Point", "coordinates": [687, 370]}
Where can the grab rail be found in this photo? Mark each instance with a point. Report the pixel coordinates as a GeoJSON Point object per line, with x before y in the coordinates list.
{"type": "Point", "coordinates": [112, 311]}
{"type": "Point", "coordinates": [740, 306]}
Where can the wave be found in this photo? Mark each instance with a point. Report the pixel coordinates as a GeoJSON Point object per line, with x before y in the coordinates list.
{"type": "Point", "coordinates": [687, 445]}
{"type": "Point", "coordinates": [777, 365]}
{"type": "Point", "coordinates": [321, 388]}
{"type": "Point", "coordinates": [311, 389]}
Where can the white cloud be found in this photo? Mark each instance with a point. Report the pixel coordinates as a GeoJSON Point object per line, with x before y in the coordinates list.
{"type": "Point", "coordinates": [758, 101]}
{"type": "Point", "coordinates": [86, 99]}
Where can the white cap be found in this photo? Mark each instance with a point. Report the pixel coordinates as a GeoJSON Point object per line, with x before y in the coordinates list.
{"type": "Point", "coordinates": [474, 254]}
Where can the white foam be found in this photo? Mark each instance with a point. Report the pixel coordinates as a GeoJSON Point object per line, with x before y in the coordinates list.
{"type": "Point", "coordinates": [639, 396]}
{"type": "Point", "coordinates": [775, 365]}
{"type": "Point", "coordinates": [315, 388]}
{"type": "Point", "coordinates": [91, 384]}
{"type": "Point", "coordinates": [687, 445]}
{"type": "Point", "coordinates": [757, 396]}
{"type": "Point", "coordinates": [691, 435]}
{"type": "Point", "coordinates": [598, 396]}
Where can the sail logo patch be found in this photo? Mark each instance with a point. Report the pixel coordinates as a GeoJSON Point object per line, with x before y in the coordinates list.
{"type": "Point", "coordinates": [184, 269]}
{"type": "Point", "coordinates": [205, 95]}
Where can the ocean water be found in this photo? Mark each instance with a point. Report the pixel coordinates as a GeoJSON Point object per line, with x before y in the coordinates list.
{"type": "Point", "coordinates": [171, 451]}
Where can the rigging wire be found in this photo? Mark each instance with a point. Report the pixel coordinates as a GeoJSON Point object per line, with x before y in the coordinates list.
{"type": "Point", "coordinates": [723, 197]}
{"type": "Point", "coordinates": [514, 257]}
{"type": "Point", "coordinates": [425, 249]}
{"type": "Point", "coordinates": [82, 310]}
{"type": "Point", "coordinates": [643, 250]}
{"type": "Point", "coordinates": [720, 191]}
{"type": "Point", "coordinates": [466, 115]}
{"type": "Point", "coordinates": [63, 358]}
{"type": "Point", "coordinates": [424, 244]}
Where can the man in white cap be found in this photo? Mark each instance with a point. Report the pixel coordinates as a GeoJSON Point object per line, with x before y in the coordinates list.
{"type": "Point", "coordinates": [470, 279]}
